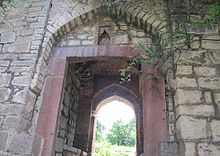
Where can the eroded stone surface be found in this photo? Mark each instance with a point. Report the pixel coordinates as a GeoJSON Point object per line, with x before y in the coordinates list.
{"type": "Point", "coordinates": [211, 83]}
{"type": "Point", "coordinates": [188, 96]}
{"type": "Point", "coordinates": [215, 129]}
{"type": "Point", "coordinates": [206, 149]}
{"type": "Point", "coordinates": [4, 94]}
{"type": "Point", "coordinates": [191, 128]}
{"type": "Point", "coordinates": [186, 82]}
{"type": "Point", "coordinates": [5, 79]}
{"type": "Point", "coordinates": [217, 101]}
{"type": "Point", "coordinates": [190, 149]}
{"type": "Point", "coordinates": [184, 70]}
{"type": "Point", "coordinates": [205, 71]}
{"type": "Point", "coordinates": [3, 137]}
{"type": "Point", "coordinates": [200, 110]}
{"type": "Point", "coordinates": [21, 143]}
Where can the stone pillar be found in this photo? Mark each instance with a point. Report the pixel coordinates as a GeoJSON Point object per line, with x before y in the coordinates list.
{"type": "Point", "coordinates": [91, 141]}
{"type": "Point", "coordinates": [139, 130]}
{"type": "Point", "coordinates": [50, 108]}
{"type": "Point", "coordinates": [154, 123]}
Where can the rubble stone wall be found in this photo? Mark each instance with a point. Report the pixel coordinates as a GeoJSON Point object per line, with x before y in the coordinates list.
{"type": "Point", "coordinates": [68, 115]}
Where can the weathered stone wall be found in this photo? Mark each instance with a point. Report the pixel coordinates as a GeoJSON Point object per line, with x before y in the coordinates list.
{"type": "Point", "coordinates": [25, 44]}
{"type": "Point", "coordinates": [68, 115]}
{"type": "Point", "coordinates": [196, 98]}
{"type": "Point", "coordinates": [21, 33]}
{"type": "Point", "coordinates": [28, 34]}
{"type": "Point", "coordinates": [195, 85]}
{"type": "Point", "coordinates": [67, 16]}
{"type": "Point", "coordinates": [120, 34]}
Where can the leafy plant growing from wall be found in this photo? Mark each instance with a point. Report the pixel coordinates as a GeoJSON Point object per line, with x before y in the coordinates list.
{"type": "Point", "coordinates": [157, 54]}
{"type": "Point", "coordinates": [211, 15]}
{"type": "Point", "coordinates": [170, 46]}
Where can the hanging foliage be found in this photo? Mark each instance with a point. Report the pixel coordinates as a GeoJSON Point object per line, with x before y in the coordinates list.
{"type": "Point", "coordinates": [158, 53]}
{"type": "Point", "coordinates": [212, 14]}
{"type": "Point", "coordinates": [8, 5]}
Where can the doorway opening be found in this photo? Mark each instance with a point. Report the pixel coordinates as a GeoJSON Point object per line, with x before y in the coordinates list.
{"type": "Point", "coordinates": [75, 87]}
{"type": "Point", "coordinates": [115, 128]}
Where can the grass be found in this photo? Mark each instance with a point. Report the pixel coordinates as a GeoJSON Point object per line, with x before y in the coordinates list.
{"type": "Point", "coordinates": [106, 149]}
{"type": "Point", "coordinates": [122, 151]}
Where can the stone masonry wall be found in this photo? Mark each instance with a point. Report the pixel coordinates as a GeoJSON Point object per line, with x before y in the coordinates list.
{"type": "Point", "coordinates": [21, 33]}
{"type": "Point", "coordinates": [196, 101]}
{"type": "Point", "coordinates": [193, 103]}
{"type": "Point", "coordinates": [28, 34]}
{"type": "Point", "coordinates": [68, 116]}
{"type": "Point", "coordinates": [120, 34]}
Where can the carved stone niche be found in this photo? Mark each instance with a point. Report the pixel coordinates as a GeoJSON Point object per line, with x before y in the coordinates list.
{"type": "Point", "coordinates": [104, 34]}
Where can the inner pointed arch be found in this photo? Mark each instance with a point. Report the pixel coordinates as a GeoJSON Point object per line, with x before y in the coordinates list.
{"type": "Point", "coordinates": [115, 90]}
{"type": "Point", "coordinates": [111, 99]}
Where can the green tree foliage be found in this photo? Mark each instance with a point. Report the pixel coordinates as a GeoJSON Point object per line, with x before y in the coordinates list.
{"type": "Point", "coordinates": [212, 13]}
{"type": "Point", "coordinates": [122, 133]}
{"type": "Point", "coordinates": [99, 131]}
{"type": "Point", "coordinates": [102, 148]}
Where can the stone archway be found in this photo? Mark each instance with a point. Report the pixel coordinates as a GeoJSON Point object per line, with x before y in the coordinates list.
{"type": "Point", "coordinates": [125, 95]}
{"type": "Point", "coordinates": [150, 91]}
{"type": "Point", "coordinates": [116, 101]}
{"type": "Point", "coordinates": [102, 82]}
{"type": "Point", "coordinates": [151, 21]}
{"type": "Point", "coordinates": [89, 51]}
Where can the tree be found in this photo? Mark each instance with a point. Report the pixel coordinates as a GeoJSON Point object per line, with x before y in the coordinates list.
{"type": "Point", "coordinates": [122, 133]}
{"type": "Point", "coordinates": [99, 131]}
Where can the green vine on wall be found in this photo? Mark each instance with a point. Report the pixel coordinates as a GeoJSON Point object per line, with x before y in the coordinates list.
{"type": "Point", "coordinates": [211, 15]}
{"type": "Point", "coordinates": [171, 45]}
{"type": "Point", "coordinates": [157, 54]}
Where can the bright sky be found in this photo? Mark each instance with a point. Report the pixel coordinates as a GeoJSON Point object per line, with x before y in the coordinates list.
{"type": "Point", "coordinates": [114, 111]}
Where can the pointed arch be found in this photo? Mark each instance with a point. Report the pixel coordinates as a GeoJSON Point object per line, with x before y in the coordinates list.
{"type": "Point", "coordinates": [123, 94]}
{"type": "Point", "coordinates": [116, 90]}
{"type": "Point", "coordinates": [149, 21]}
{"type": "Point", "coordinates": [113, 98]}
